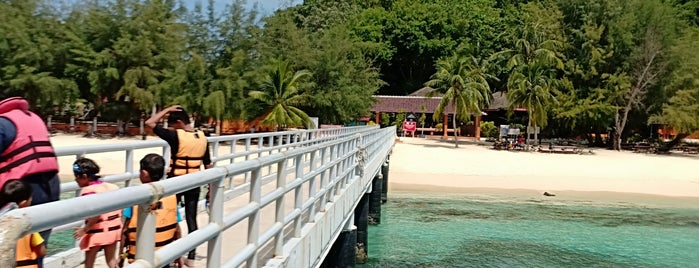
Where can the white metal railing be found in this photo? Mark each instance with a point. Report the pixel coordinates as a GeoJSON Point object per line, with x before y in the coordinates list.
{"type": "Point", "coordinates": [323, 163]}
{"type": "Point", "coordinates": [255, 145]}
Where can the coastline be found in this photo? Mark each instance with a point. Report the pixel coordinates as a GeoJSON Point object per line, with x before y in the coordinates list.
{"type": "Point", "coordinates": [435, 166]}
{"type": "Point", "coordinates": [590, 197]}
{"type": "Point", "coordinates": [425, 165]}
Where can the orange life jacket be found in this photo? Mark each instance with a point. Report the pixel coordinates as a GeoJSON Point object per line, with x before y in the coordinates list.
{"type": "Point", "coordinates": [108, 222]}
{"type": "Point", "coordinates": [26, 257]}
{"type": "Point", "coordinates": [165, 225]}
{"type": "Point", "coordinates": [31, 151]}
{"type": "Point", "coordinates": [189, 155]}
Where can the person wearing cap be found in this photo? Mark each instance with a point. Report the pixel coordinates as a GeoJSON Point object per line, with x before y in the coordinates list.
{"type": "Point", "coordinates": [26, 153]}
{"type": "Point", "coordinates": [189, 151]}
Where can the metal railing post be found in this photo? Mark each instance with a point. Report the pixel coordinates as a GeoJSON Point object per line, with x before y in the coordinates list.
{"type": "Point", "coordinates": [312, 186]}
{"type": "Point", "coordinates": [215, 152]}
{"type": "Point", "coordinates": [298, 194]}
{"type": "Point", "coordinates": [129, 166]}
{"type": "Point", "coordinates": [145, 235]}
{"type": "Point", "coordinates": [323, 178]}
{"type": "Point", "coordinates": [231, 178]}
{"type": "Point", "coordinates": [213, 254]}
{"type": "Point", "coordinates": [331, 174]}
{"type": "Point", "coordinates": [166, 155]}
{"type": "Point", "coordinates": [254, 218]}
{"type": "Point", "coordinates": [247, 157]}
{"type": "Point", "coordinates": [279, 217]}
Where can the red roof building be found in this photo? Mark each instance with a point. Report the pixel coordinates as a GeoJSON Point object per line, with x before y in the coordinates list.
{"type": "Point", "coordinates": [418, 99]}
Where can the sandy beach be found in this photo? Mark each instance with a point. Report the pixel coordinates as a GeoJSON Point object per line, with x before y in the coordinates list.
{"type": "Point", "coordinates": [436, 166]}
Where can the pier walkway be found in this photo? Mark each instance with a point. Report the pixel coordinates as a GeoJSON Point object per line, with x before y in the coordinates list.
{"type": "Point", "coordinates": [282, 199]}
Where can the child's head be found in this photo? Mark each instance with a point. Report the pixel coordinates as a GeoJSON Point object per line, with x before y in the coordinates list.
{"type": "Point", "coordinates": [85, 171]}
{"type": "Point", "coordinates": [152, 168]}
{"type": "Point", "coordinates": [178, 119]}
{"type": "Point", "coordinates": [16, 191]}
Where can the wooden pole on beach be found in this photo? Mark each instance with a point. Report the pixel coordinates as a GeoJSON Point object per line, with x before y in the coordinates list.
{"type": "Point", "coordinates": [445, 125]}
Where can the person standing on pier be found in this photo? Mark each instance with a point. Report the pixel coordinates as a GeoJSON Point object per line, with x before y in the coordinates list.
{"type": "Point", "coordinates": [167, 216]}
{"type": "Point", "coordinates": [26, 153]}
{"type": "Point", "coordinates": [101, 232]}
{"type": "Point", "coordinates": [189, 151]}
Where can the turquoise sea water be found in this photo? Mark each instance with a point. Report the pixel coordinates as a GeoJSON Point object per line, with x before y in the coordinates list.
{"type": "Point", "coordinates": [461, 230]}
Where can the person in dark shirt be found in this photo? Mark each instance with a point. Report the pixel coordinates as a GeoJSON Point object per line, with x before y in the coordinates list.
{"type": "Point", "coordinates": [189, 150]}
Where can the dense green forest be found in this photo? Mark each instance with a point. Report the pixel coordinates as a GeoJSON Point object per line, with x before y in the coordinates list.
{"type": "Point", "coordinates": [580, 66]}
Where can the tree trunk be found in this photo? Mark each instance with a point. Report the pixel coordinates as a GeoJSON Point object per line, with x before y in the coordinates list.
{"type": "Point", "coordinates": [456, 138]}
{"type": "Point", "coordinates": [536, 135]}
{"type": "Point", "coordinates": [120, 129]}
{"type": "Point", "coordinates": [141, 128]}
{"type": "Point", "coordinates": [529, 125]}
{"type": "Point", "coordinates": [620, 124]}
{"type": "Point", "coordinates": [93, 130]}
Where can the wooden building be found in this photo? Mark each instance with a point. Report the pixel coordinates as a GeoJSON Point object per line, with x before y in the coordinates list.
{"type": "Point", "coordinates": [412, 103]}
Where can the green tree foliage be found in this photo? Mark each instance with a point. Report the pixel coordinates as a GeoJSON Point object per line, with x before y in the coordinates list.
{"type": "Point", "coordinates": [531, 87]}
{"type": "Point", "coordinates": [681, 111]}
{"type": "Point", "coordinates": [533, 62]}
{"type": "Point", "coordinates": [489, 129]}
{"type": "Point", "coordinates": [613, 63]}
{"type": "Point", "coordinates": [385, 120]}
{"type": "Point", "coordinates": [33, 45]}
{"type": "Point", "coordinates": [281, 94]}
{"type": "Point", "coordinates": [462, 83]}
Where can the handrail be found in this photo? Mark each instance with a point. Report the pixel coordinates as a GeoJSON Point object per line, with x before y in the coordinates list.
{"type": "Point", "coordinates": [337, 162]}
{"type": "Point", "coordinates": [313, 136]}
{"type": "Point", "coordinates": [304, 138]}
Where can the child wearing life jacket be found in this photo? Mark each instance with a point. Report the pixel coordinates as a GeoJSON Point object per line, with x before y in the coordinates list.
{"type": "Point", "coordinates": [167, 216]}
{"type": "Point", "coordinates": [102, 231]}
{"type": "Point", "coordinates": [30, 247]}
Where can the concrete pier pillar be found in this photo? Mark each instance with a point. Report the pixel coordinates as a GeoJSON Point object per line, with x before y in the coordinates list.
{"type": "Point", "coordinates": [375, 200]}
{"type": "Point", "coordinates": [344, 252]}
{"type": "Point", "coordinates": [384, 186]}
{"type": "Point", "coordinates": [361, 221]}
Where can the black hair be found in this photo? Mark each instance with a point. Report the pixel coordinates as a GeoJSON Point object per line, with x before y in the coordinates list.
{"type": "Point", "coordinates": [88, 167]}
{"type": "Point", "coordinates": [178, 115]}
{"type": "Point", "coordinates": [15, 191]}
{"type": "Point", "coordinates": [154, 164]}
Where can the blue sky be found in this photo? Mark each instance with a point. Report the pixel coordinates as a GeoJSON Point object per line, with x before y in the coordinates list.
{"type": "Point", "coordinates": [267, 7]}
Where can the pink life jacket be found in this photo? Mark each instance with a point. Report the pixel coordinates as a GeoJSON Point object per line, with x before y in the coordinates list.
{"type": "Point", "coordinates": [31, 151]}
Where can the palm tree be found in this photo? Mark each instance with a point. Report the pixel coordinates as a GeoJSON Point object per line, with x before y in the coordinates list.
{"type": "Point", "coordinates": [280, 92]}
{"type": "Point", "coordinates": [531, 87]}
{"type": "Point", "coordinates": [526, 53]}
{"type": "Point", "coordinates": [530, 64]}
{"type": "Point", "coordinates": [462, 82]}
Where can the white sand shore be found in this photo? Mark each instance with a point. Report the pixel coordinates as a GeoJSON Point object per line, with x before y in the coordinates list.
{"type": "Point", "coordinates": [433, 165]}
